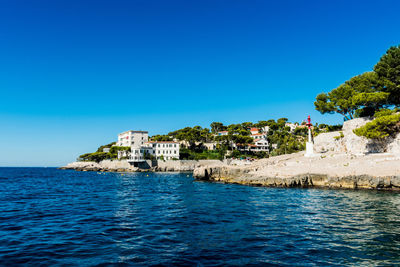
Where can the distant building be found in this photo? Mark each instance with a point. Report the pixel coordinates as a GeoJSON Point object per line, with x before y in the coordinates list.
{"type": "Point", "coordinates": [258, 146]}
{"type": "Point", "coordinates": [265, 129]}
{"type": "Point", "coordinates": [222, 133]}
{"type": "Point", "coordinates": [210, 146]}
{"type": "Point", "coordinates": [261, 145]}
{"type": "Point", "coordinates": [259, 136]}
{"type": "Point", "coordinates": [254, 131]}
{"type": "Point", "coordinates": [166, 150]}
{"type": "Point", "coordinates": [132, 138]}
{"type": "Point", "coordinates": [292, 126]}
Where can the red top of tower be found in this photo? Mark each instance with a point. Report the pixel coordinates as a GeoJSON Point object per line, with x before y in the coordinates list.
{"type": "Point", "coordinates": [308, 122]}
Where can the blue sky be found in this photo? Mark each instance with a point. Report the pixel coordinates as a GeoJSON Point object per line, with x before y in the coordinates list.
{"type": "Point", "coordinates": [73, 74]}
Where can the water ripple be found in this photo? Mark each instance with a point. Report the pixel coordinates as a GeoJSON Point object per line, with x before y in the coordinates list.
{"type": "Point", "coordinates": [55, 217]}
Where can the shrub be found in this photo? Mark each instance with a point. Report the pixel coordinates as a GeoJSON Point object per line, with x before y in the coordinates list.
{"type": "Point", "coordinates": [96, 156]}
{"type": "Point", "coordinates": [339, 136]}
{"type": "Point", "coordinates": [382, 126]}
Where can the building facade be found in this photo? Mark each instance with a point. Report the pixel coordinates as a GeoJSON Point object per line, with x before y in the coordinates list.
{"type": "Point", "coordinates": [258, 146]}
{"type": "Point", "coordinates": [133, 138]}
{"type": "Point", "coordinates": [167, 150]}
{"type": "Point", "coordinates": [259, 136]}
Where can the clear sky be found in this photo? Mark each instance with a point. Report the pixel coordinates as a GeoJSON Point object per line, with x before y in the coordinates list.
{"type": "Point", "coordinates": [74, 74]}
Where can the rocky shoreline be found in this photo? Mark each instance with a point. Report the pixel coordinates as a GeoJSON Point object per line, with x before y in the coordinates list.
{"type": "Point", "coordinates": [374, 171]}
{"type": "Point", "coordinates": [125, 166]}
{"type": "Point", "coordinates": [303, 180]}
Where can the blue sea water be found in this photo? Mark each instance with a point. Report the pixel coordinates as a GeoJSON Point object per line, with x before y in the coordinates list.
{"type": "Point", "coordinates": [62, 217]}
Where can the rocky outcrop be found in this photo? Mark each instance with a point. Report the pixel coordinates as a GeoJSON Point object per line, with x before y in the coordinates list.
{"type": "Point", "coordinates": [346, 141]}
{"type": "Point", "coordinates": [105, 165]}
{"type": "Point", "coordinates": [125, 166]}
{"type": "Point", "coordinates": [330, 170]}
{"type": "Point", "coordinates": [239, 176]}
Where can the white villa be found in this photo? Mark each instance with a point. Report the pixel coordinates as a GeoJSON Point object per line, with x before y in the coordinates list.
{"type": "Point", "coordinates": [133, 138]}
{"type": "Point", "coordinates": [259, 145]}
{"type": "Point", "coordinates": [142, 149]}
{"type": "Point", "coordinates": [167, 150]}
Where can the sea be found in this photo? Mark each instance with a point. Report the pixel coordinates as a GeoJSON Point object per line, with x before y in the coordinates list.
{"type": "Point", "coordinates": [52, 217]}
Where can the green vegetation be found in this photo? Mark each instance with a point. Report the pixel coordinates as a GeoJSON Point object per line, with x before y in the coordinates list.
{"type": "Point", "coordinates": [386, 123]}
{"type": "Point", "coordinates": [365, 94]}
{"type": "Point", "coordinates": [340, 136]}
{"type": "Point", "coordinates": [362, 95]}
{"type": "Point", "coordinates": [375, 93]}
{"type": "Point", "coordinates": [285, 141]}
{"type": "Point", "coordinates": [161, 138]}
{"type": "Point", "coordinates": [388, 71]}
{"type": "Point", "coordinates": [99, 155]}
{"type": "Point", "coordinates": [197, 154]}
{"type": "Point", "coordinates": [101, 148]}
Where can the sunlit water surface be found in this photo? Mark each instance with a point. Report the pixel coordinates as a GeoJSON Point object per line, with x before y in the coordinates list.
{"type": "Point", "coordinates": [58, 217]}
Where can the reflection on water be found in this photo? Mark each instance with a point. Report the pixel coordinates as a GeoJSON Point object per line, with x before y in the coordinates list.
{"type": "Point", "coordinates": [51, 217]}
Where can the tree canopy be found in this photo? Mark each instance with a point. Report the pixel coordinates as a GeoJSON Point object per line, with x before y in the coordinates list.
{"type": "Point", "coordinates": [362, 95]}
{"type": "Point", "coordinates": [365, 94]}
{"type": "Point", "coordinates": [388, 71]}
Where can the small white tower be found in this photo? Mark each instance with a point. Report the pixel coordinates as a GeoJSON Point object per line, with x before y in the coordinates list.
{"type": "Point", "coordinates": [310, 142]}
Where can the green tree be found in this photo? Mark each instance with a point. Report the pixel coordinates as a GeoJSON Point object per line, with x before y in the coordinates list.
{"type": "Point", "coordinates": [100, 149]}
{"type": "Point", "coordinates": [161, 138]}
{"type": "Point", "coordinates": [338, 100]}
{"type": "Point", "coordinates": [261, 124]}
{"type": "Point", "coordinates": [388, 70]}
{"type": "Point", "coordinates": [282, 122]}
{"type": "Point", "coordinates": [362, 95]}
{"type": "Point", "coordinates": [217, 127]}
{"type": "Point", "coordinates": [247, 125]}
